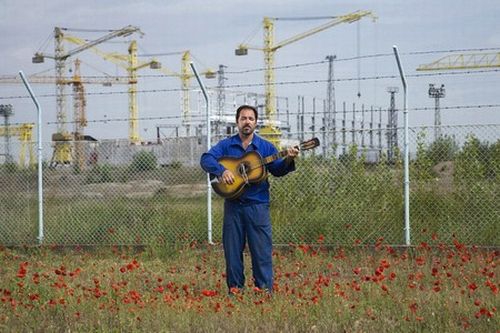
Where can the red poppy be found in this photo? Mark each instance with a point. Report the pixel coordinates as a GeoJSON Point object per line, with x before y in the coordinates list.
{"type": "Point", "coordinates": [472, 287]}
{"type": "Point", "coordinates": [21, 273]}
{"type": "Point", "coordinates": [420, 261]}
{"type": "Point", "coordinates": [209, 293]}
{"type": "Point", "coordinates": [321, 239]}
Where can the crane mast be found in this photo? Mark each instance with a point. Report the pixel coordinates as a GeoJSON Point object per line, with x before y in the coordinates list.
{"type": "Point", "coordinates": [133, 131]}
{"type": "Point", "coordinates": [79, 116]}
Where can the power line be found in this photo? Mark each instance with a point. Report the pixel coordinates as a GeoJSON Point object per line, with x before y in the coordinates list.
{"type": "Point", "coordinates": [202, 117]}
{"type": "Point", "coordinates": [283, 83]}
{"type": "Point", "coordinates": [368, 110]}
{"type": "Point", "coordinates": [367, 56]}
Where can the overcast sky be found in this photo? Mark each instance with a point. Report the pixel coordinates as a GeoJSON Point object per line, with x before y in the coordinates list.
{"type": "Point", "coordinates": [212, 29]}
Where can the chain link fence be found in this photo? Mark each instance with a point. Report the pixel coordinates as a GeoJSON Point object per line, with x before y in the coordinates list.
{"type": "Point", "coordinates": [111, 192]}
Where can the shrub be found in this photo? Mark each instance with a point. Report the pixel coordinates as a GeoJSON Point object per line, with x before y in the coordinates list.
{"type": "Point", "coordinates": [422, 165]}
{"type": "Point", "coordinates": [469, 168]}
{"type": "Point", "coordinates": [443, 149]}
{"type": "Point", "coordinates": [100, 174]}
{"type": "Point", "coordinates": [144, 161]}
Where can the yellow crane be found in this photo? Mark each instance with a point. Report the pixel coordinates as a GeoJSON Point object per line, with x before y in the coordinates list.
{"type": "Point", "coordinates": [24, 132]}
{"type": "Point", "coordinates": [62, 148]}
{"type": "Point", "coordinates": [464, 61]}
{"type": "Point", "coordinates": [77, 81]}
{"type": "Point", "coordinates": [186, 75]}
{"type": "Point", "coordinates": [131, 64]}
{"type": "Point", "coordinates": [270, 131]}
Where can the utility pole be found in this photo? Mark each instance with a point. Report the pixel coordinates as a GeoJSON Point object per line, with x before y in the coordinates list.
{"type": "Point", "coordinates": [330, 102]}
{"type": "Point", "coordinates": [392, 125]}
{"type": "Point", "coordinates": [313, 119]}
{"type": "Point", "coordinates": [380, 131]}
{"type": "Point", "coordinates": [371, 127]}
{"type": "Point", "coordinates": [353, 125]}
{"type": "Point", "coordinates": [437, 94]}
{"type": "Point", "coordinates": [362, 126]}
{"type": "Point", "coordinates": [302, 120]}
{"type": "Point", "coordinates": [344, 123]}
{"type": "Point", "coordinates": [221, 96]}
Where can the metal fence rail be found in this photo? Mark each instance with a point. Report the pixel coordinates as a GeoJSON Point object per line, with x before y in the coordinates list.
{"type": "Point", "coordinates": [116, 193]}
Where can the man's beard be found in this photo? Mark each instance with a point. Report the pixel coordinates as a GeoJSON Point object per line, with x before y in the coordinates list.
{"type": "Point", "coordinates": [247, 130]}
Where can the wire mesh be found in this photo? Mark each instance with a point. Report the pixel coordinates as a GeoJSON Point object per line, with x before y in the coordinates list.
{"type": "Point", "coordinates": [110, 192]}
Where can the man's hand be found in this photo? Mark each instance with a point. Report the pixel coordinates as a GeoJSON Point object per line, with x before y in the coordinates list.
{"type": "Point", "coordinates": [292, 152]}
{"type": "Point", "coordinates": [227, 177]}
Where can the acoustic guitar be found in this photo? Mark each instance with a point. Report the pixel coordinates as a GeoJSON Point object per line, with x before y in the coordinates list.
{"type": "Point", "coordinates": [250, 169]}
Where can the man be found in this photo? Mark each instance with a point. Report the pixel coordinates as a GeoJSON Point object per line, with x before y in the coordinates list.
{"type": "Point", "coordinates": [247, 217]}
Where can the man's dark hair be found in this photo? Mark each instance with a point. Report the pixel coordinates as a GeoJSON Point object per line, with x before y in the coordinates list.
{"type": "Point", "coordinates": [238, 111]}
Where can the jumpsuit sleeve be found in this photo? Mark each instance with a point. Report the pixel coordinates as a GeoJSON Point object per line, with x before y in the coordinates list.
{"type": "Point", "coordinates": [279, 167]}
{"type": "Point", "coordinates": [209, 160]}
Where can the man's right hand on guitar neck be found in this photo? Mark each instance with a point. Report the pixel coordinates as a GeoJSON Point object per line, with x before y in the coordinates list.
{"type": "Point", "coordinates": [227, 177]}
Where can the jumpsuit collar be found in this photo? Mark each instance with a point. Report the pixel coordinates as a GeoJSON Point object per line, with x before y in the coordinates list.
{"type": "Point", "coordinates": [254, 143]}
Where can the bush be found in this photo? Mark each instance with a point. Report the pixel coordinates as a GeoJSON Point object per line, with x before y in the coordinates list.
{"type": "Point", "coordinates": [443, 149]}
{"type": "Point", "coordinates": [422, 165]}
{"type": "Point", "coordinates": [144, 161]}
{"type": "Point", "coordinates": [469, 164]}
{"type": "Point", "coordinates": [100, 174]}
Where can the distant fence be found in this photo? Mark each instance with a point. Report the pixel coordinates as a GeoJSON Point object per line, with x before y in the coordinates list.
{"type": "Point", "coordinates": [353, 194]}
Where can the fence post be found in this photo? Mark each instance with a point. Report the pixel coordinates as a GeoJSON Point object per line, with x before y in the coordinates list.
{"type": "Point", "coordinates": [209, 144]}
{"type": "Point", "coordinates": [40, 179]}
{"type": "Point", "coordinates": [406, 150]}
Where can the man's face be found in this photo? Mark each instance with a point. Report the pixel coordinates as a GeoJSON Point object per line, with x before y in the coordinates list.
{"type": "Point", "coordinates": [247, 122]}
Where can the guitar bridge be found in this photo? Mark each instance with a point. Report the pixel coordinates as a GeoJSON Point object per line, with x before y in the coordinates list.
{"type": "Point", "coordinates": [242, 169]}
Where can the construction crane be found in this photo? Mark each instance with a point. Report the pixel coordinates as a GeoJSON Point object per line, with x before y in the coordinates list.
{"type": "Point", "coordinates": [131, 64]}
{"type": "Point", "coordinates": [186, 75]}
{"type": "Point", "coordinates": [455, 62]}
{"type": "Point", "coordinates": [464, 61]}
{"type": "Point", "coordinates": [77, 81]}
{"type": "Point", "coordinates": [24, 132]}
{"type": "Point", "coordinates": [270, 131]}
{"type": "Point", "coordinates": [62, 148]}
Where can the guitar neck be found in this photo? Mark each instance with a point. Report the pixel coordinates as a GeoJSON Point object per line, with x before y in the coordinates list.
{"type": "Point", "coordinates": [274, 157]}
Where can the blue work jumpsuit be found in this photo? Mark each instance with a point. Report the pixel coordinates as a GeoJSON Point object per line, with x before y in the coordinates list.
{"type": "Point", "coordinates": [247, 217]}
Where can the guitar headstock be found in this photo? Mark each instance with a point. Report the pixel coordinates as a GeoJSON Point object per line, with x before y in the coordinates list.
{"type": "Point", "coordinates": [309, 144]}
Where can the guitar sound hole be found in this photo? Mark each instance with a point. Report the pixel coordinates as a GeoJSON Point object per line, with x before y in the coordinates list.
{"type": "Point", "coordinates": [243, 169]}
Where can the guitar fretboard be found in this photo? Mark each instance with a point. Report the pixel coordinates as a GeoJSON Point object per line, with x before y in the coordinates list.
{"type": "Point", "coordinates": [310, 144]}
{"type": "Point", "coordinates": [274, 157]}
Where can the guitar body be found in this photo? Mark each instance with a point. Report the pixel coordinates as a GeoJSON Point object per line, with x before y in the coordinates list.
{"type": "Point", "coordinates": [247, 169]}
{"type": "Point", "coordinates": [250, 169]}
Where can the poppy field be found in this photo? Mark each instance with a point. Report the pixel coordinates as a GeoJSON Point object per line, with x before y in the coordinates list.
{"type": "Point", "coordinates": [432, 287]}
